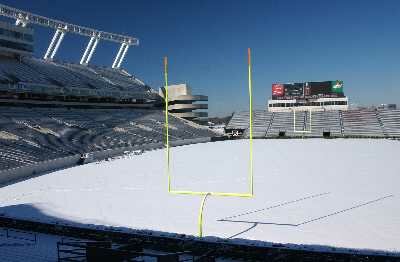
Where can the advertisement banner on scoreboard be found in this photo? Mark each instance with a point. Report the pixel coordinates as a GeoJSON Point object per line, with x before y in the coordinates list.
{"type": "Point", "coordinates": [337, 86]}
{"type": "Point", "coordinates": [277, 90]}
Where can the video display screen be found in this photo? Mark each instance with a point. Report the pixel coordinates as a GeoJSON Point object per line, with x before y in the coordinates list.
{"type": "Point", "coordinates": [307, 90]}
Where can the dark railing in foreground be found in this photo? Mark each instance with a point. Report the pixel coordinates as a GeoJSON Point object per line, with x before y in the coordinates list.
{"type": "Point", "coordinates": [12, 234]}
{"type": "Point", "coordinates": [94, 251]}
{"type": "Point", "coordinates": [203, 249]}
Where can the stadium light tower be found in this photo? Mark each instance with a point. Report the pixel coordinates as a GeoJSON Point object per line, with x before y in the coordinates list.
{"type": "Point", "coordinates": [23, 18]}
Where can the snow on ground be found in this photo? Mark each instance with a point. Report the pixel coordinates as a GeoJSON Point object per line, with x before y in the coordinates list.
{"type": "Point", "coordinates": [317, 192]}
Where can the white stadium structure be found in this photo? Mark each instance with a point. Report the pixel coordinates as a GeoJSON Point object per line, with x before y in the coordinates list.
{"type": "Point", "coordinates": [83, 166]}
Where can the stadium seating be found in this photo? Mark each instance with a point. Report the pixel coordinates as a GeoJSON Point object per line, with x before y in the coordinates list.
{"type": "Point", "coordinates": [351, 123]}
{"type": "Point", "coordinates": [261, 123]}
{"type": "Point", "coordinates": [391, 122]}
{"type": "Point", "coordinates": [73, 79]}
{"type": "Point", "coordinates": [325, 121]}
{"type": "Point", "coordinates": [14, 71]}
{"type": "Point", "coordinates": [239, 120]}
{"type": "Point", "coordinates": [58, 74]}
{"type": "Point", "coordinates": [361, 123]}
{"type": "Point", "coordinates": [282, 124]}
{"type": "Point", "coordinates": [120, 78]}
{"type": "Point", "coordinates": [30, 135]}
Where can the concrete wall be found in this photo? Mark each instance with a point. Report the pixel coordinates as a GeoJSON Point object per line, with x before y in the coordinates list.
{"type": "Point", "coordinates": [21, 173]}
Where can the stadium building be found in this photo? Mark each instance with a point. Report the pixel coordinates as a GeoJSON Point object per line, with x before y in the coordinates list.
{"type": "Point", "coordinates": [183, 103]}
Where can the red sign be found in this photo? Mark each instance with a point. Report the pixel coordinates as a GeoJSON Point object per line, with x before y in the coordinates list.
{"type": "Point", "coordinates": [277, 90]}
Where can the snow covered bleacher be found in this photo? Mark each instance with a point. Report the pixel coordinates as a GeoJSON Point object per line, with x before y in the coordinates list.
{"type": "Point", "coordinates": [261, 122]}
{"type": "Point", "coordinates": [71, 79]}
{"type": "Point", "coordinates": [351, 123]}
{"type": "Point", "coordinates": [391, 122]}
{"type": "Point", "coordinates": [121, 78]}
{"type": "Point", "coordinates": [325, 121]}
{"type": "Point", "coordinates": [239, 120]}
{"type": "Point", "coordinates": [31, 135]}
{"type": "Point", "coordinates": [13, 71]}
{"type": "Point", "coordinates": [361, 123]}
{"type": "Point", "coordinates": [282, 124]}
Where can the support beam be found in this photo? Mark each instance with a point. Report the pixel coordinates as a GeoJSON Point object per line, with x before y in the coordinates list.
{"type": "Point", "coordinates": [58, 44]}
{"type": "Point", "coordinates": [88, 47]}
{"type": "Point", "coordinates": [92, 50]}
{"type": "Point", "coordinates": [118, 55]}
{"type": "Point", "coordinates": [123, 56]}
{"type": "Point", "coordinates": [51, 45]}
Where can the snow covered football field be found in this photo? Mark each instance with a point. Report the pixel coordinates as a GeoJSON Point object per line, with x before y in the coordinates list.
{"type": "Point", "coordinates": [314, 192]}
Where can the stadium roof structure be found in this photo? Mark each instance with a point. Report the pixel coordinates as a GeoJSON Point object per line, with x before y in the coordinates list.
{"type": "Point", "coordinates": [23, 18]}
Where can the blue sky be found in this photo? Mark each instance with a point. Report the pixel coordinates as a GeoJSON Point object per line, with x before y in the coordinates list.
{"type": "Point", "coordinates": [206, 43]}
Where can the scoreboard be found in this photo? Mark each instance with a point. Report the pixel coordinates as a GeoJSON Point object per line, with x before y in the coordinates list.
{"type": "Point", "coordinates": [308, 90]}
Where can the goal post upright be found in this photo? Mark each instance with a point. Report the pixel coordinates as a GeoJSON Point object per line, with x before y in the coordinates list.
{"type": "Point", "coordinates": [166, 123]}
{"type": "Point", "coordinates": [250, 121]}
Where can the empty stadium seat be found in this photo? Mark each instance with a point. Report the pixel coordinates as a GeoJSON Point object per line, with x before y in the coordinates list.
{"type": "Point", "coordinates": [390, 120]}
{"type": "Point", "coordinates": [351, 123]}
{"type": "Point", "coordinates": [361, 123]}
{"type": "Point", "coordinates": [31, 135]}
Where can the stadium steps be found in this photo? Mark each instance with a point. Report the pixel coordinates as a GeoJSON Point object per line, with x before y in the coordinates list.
{"type": "Point", "coordinates": [300, 123]}
{"type": "Point", "coordinates": [270, 123]}
{"type": "Point", "coordinates": [381, 123]}
{"type": "Point", "coordinates": [261, 122]}
{"type": "Point", "coordinates": [283, 122]}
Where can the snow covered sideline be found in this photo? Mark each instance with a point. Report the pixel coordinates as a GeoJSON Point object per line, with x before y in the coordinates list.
{"type": "Point", "coordinates": [313, 193]}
